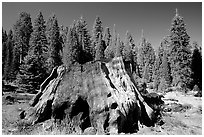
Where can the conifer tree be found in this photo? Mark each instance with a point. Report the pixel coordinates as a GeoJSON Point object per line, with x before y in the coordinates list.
{"type": "Point", "coordinates": [110, 51]}
{"type": "Point", "coordinates": [127, 50]}
{"type": "Point", "coordinates": [107, 37]}
{"type": "Point", "coordinates": [63, 34]}
{"type": "Point", "coordinates": [120, 46]}
{"type": "Point", "coordinates": [9, 56]}
{"type": "Point", "coordinates": [54, 44]}
{"type": "Point", "coordinates": [33, 70]}
{"type": "Point", "coordinates": [97, 29]}
{"type": "Point", "coordinates": [165, 73]}
{"type": "Point", "coordinates": [4, 49]}
{"type": "Point", "coordinates": [134, 53]}
{"type": "Point", "coordinates": [135, 66]}
{"type": "Point", "coordinates": [196, 65]}
{"type": "Point", "coordinates": [114, 38]}
{"type": "Point", "coordinates": [156, 73]}
{"type": "Point", "coordinates": [180, 54]}
{"type": "Point", "coordinates": [22, 33]}
{"type": "Point", "coordinates": [38, 41]}
{"type": "Point", "coordinates": [72, 50]}
{"type": "Point", "coordinates": [15, 62]}
{"type": "Point", "coordinates": [84, 39]}
{"type": "Point", "coordinates": [146, 55]}
{"type": "Point", "coordinates": [100, 48]}
{"type": "Point", "coordinates": [163, 49]}
{"type": "Point", "coordinates": [146, 73]}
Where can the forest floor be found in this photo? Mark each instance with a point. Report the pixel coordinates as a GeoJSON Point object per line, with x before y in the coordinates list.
{"type": "Point", "coordinates": [182, 116]}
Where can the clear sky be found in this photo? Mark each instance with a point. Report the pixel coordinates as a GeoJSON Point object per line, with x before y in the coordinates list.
{"type": "Point", "coordinates": [153, 17]}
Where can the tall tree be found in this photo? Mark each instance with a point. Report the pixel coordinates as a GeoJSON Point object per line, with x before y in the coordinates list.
{"type": "Point", "coordinates": [100, 47]}
{"type": "Point", "coordinates": [196, 65]}
{"type": "Point", "coordinates": [120, 46]}
{"type": "Point", "coordinates": [110, 51]}
{"type": "Point", "coordinates": [4, 49]}
{"type": "Point", "coordinates": [180, 54]}
{"type": "Point", "coordinates": [97, 30]}
{"type": "Point", "coordinates": [63, 34]}
{"type": "Point", "coordinates": [9, 56]}
{"type": "Point", "coordinates": [156, 73]}
{"type": "Point", "coordinates": [163, 49]}
{"type": "Point", "coordinates": [84, 39]}
{"type": "Point", "coordinates": [146, 56]}
{"type": "Point", "coordinates": [107, 36]}
{"type": "Point", "coordinates": [71, 50]}
{"type": "Point", "coordinates": [38, 41]}
{"type": "Point", "coordinates": [55, 45]}
{"type": "Point", "coordinates": [146, 73]}
{"type": "Point", "coordinates": [114, 38]}
{"type": "Point", "coordinates": [127, 50]}
{"type": "Point", "coordinates": [22, 33]}
{"type": "Point", "coordinates": [33, 70]}
{"type": "Point", "coordinates": [165, 73]}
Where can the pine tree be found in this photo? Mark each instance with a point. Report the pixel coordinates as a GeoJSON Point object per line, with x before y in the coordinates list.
{"type": "Point", "coordinates": [55, 46]}
{"type": "Point", "coordinates": [196, 65]}
{"type": "Point", "coordinates": [146, 55]}
{"type": "Point", "coordinates": [146, 74]}
{"type": "Point", "coordinates": [84, 39]}
{"type": "Point", "coordinates": [9, 56]}
{"type": "Point", "coordinates": [114, 38]}
{"type": "Point", "coordinates": [180, 54]}
{"type": "Point", "coordinates": [4, 49]}
{"type": "Point", "coordinates": [72, 50]}
{"type": "Point", "coordinates": [38, 41]}
{"type": "Point", "coordinates": [110, 51]}
{"type": "Point", "coordinates": [156, 73]}
{"type": "Point", "coordinates": [15, 62]}
{"type": "Point", "coordinates": [31, 74]}
{"type": "Point", "coordinates": [63, 35]}
{"type": "Point", "coordinates": [163, 49]}
{"type": "Point", "coordinates": [22, 33]}
{"type": "Point", "coordinates": [97, 29]}
{"type": "Point", "coordinates": [4, 35]}
{"type": "Point", "coordinates": [107, 37]}
{"type": "Point", "coordinates": [120, 46]}
{"type": "Point", "coordinates": [33, 70]}
{"type": "Point", "coordinates": [134, 53]}
{"type": "Point", "coordinates": [165, 73]}
{"type": "Point", "coordinates": [100, 47]}
{"type": "Point", "coordinates": [127, 50]}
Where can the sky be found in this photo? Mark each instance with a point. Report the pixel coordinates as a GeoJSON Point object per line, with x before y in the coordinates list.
{"type": "Point", "coordinates": [154, 18]}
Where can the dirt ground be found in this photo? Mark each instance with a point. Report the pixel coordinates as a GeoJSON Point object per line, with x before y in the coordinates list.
{"type": "Point", "coordinates": [185, 120]}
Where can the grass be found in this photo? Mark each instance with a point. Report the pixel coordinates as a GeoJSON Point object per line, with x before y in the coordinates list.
{"type": "Point", "coordinates": [13, 125]}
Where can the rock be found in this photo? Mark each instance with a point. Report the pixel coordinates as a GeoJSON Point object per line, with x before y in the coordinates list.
{"type": "Point", "coordinates": [102, 92]}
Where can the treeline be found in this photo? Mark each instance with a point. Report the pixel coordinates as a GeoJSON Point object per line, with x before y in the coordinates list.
{"type": "Point", "coordinates": [30, 52]}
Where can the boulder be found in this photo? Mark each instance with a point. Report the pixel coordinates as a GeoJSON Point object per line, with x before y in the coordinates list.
{"type": "Point", "coordinates": [102, 92]}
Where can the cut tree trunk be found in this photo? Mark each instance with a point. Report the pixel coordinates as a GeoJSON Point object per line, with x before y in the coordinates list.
{"type": "Point", "coordinates": [101, 92]}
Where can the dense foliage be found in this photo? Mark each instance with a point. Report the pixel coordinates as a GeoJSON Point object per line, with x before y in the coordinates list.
{"type": "Point", "coordinates": [33, 69]}
{"type": "Point", "coordinates": [54, 43]}
{"type": "Point", "coordinates": [180, 54]}
{"type": "Point", "coordinates": [29, 53]}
